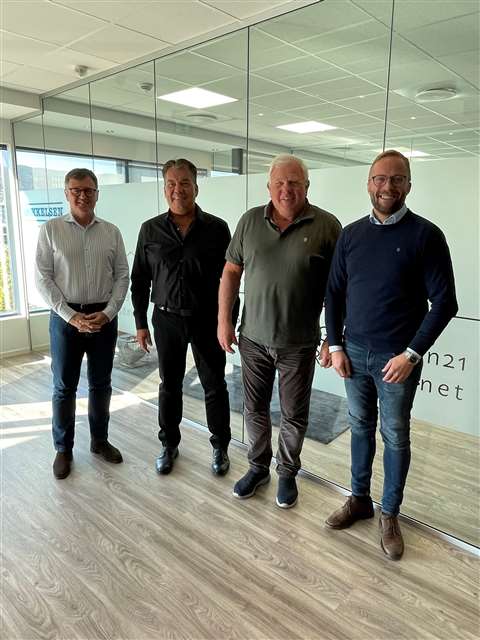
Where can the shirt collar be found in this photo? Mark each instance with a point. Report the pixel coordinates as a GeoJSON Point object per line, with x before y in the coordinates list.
{"type": "Point", "coordinates": [69, 218]}
{"type": "Point", "coordinates": [199, 215]}
{"type": "Point", "coordinates": [393, 219]}
{"type": "Point", "coordinates": [305, 214]}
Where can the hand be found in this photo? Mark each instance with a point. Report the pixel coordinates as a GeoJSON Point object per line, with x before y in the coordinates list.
{"type": "Point", "coordinates": [323, 356]}
{"type": "Point", "coordinates": [341, 364]}
{"type": "Point", "coordinates": [226, 336]}
{"type": "Point", "coordinates": [95, 321]}
{"type": "Point", "coordinates": [397, 369]}
{"type": "Point", "coordinates": [144, 339]}
{"type": "Point", "coordinates": [78, 321]}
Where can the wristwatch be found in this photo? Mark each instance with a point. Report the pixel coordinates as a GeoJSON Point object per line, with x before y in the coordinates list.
{"type": "Point", "coordinates": [413, 358]}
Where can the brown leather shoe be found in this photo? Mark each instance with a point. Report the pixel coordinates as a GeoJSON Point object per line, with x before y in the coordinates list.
{"type": "Point", "coordinates": [391, 536]}
{"type": "Point", "coordinates": [354, 509]}
{"type": "Point", "coordinates": [107, 451]}
{"type": "Point", "coordinates": [62, 464]}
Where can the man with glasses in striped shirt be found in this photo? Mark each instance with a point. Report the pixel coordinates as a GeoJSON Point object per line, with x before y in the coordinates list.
{"type": "Point", "coordinates": [82, 274]}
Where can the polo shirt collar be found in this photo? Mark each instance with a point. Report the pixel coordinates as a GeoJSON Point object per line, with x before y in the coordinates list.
{"type": "Point", "coordinates": [306, 213]}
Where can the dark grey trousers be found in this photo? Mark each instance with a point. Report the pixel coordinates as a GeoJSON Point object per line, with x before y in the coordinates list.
{"type": "Point", "coordinates": [295, 366]}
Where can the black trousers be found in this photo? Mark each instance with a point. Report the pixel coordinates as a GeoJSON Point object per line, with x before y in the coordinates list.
{"type": "Point", "coordinates": [172, 335]}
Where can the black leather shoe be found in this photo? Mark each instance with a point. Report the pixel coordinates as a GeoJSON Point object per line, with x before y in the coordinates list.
{"type": "Point", "coordinates": [107, 451]}
{"type": "Point", "coordinates": [62, 464]}
{"type": "Point", "coordinates": [220, 462]}
{"type": "Point", "coordinates": [165, 461]}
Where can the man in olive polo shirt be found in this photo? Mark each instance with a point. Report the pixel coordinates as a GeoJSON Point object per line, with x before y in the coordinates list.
{"type": "Point", "coordinates": [284, 249]}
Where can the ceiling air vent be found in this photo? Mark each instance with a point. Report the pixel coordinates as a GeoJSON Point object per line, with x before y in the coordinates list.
{"type": "Point", "coordinates": [436, 95]}
{"type": "Point", "coordinates": [200, 118]}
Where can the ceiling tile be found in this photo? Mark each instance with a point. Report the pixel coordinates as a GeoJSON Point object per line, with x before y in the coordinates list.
{"type": "Point", "coordinates": [456, 35]}
{"type": "Point", "coordinates": [307, 22]}
{"type": "Point", "coordinates": [110, 10]}
{"type": "Point", "coordinates": [286, 100]}
{"type": "Point", "coordinates": [173, 21]}
{"type": "Point", "coordinates": [58, 24]}
{"type": "Point", "coordinates": [242, 9]}
{"type": "Point", "coordinates": [408, 12]}
{"type": "Point", "coordinates": [345, 36]}
{"type": "Point", "coordinates": [7, 67]}
{"type": "Point", "coordinates": [333, 90]}
{"type": "Point", "coordinates": [120, 45]}
{"type": "Point", "coordinates": [39, 79]}
{"type": "Point", "coordinates": [323, 71]}
{"type": "Point", "coordinates": [231, 50]}
{"type": "Point", "coordinates": [319, 111]}
{"type": "Point", "coordinates": [465, 65]}
{"type": "Point", "coordinates": [192, 69]}
{"type": "Point", "coordinates": [65, 60]}
{"type": "Point", "coordinates": [23, 50]}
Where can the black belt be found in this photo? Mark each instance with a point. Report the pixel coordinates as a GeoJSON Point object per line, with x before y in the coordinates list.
{"type": "Point", "coordinates": [179, 312]}
{"type": "Point", "coordinates": [88, 308]}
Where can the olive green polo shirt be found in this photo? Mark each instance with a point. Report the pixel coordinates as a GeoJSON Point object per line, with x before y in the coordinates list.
{"type": "Point", "coordinates": [285, 274]}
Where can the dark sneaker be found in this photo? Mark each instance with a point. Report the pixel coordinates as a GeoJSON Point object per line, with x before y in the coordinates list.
{"type": "Point", "coordinates": [354, 509]}
{"type": "Point", "coordinates": [220, 462]}
{"type": "Point", "coordinates": [391, 538]}
{"type": "Point", "coordinates": [246, 486]}
{"type": "Point", "coordinates": [62, 464]}
{"type": "Point", "coordinates": [165, 461]}
{"type": "Point", "coordinates": [107, 451]}
{"type": "Point", "coordinates": [287, 493]}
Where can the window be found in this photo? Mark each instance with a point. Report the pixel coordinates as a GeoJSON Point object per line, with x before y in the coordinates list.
{"type": "Point", "coordinates": [7, 293]}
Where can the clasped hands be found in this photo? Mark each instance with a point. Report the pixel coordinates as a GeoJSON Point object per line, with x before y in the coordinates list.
{"type": "Point", "coordinates": [89, 322]}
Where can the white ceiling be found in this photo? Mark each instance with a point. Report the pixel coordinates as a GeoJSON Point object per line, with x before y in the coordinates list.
{"type": "Point", "coordinates": [327, 62]}
{"type": "Point", "coordinates": [43, 40]}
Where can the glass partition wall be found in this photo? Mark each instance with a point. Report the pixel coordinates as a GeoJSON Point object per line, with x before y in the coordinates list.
{"type": "Point", "coordinates": [334, 83]}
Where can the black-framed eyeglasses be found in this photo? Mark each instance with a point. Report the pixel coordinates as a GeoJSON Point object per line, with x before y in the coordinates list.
{"type": "Point", "coordinates": [89, 192]}
{"type": "Point", "coordinates": [397, 181]}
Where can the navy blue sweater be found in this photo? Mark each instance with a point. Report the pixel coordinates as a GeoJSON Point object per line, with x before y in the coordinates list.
{"type": "Point", "coordinates": [381, 280]}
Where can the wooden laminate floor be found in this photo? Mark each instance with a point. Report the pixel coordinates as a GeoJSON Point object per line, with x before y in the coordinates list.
{"type": "Point", "coordinates": [443, 488]}
{"type": "Point", "coordinates": [115, 551]}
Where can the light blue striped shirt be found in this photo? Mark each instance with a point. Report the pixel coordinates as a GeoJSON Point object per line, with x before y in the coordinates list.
{"type": "Point", "coordinates": [82, 265]}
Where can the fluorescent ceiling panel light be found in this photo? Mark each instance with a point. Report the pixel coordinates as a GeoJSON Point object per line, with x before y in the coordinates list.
{"type": "Point", "coordinates": [306, 127]}
{"type": "Point", "coordinates": [197, 98]}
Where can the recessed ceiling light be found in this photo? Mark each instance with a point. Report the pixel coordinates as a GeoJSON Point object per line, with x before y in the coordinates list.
{"type": "Point", "coordinates": [260, 114]}
{"type": "Point", "coordinates": [197, 98]}
{"type": "Point", "coordinates": [436, 94]}
{"type": "Point", "coordinates": [413, 117]}
{"type": "Point", "coordinates": [306, 127]}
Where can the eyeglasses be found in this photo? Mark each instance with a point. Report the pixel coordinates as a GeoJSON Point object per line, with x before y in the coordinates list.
{"type": "Point", "coordinates": [397, 181]}
{"type": "Point", "coordinates": [87, 192]}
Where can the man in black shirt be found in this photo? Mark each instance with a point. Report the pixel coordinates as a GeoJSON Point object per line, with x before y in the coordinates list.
{"type": "Point", "coordinates": [180, 257]}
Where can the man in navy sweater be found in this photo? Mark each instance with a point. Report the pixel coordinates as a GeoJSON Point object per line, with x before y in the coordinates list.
{"type": "Point", "coordinates": [386, 268]}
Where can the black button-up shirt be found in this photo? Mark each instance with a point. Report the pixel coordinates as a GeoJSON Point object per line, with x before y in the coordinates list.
{"type": "Point", "coordinates": [183, 273]}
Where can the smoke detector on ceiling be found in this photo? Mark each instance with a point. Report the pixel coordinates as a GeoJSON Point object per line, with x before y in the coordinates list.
{"type": "Point", "coordinates": [436, 94]}
{"type": "Point", "coordinates": [146, 87]}
{"type": "Point", "coordinates": [81, 70]}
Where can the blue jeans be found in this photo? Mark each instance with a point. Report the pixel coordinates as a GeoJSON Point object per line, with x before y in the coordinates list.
{"type": "Point", "coordinates": [68, 346]}
{"type": "Point", "coordinates": [364, 388]}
